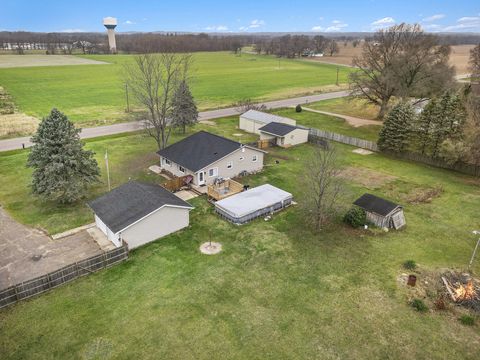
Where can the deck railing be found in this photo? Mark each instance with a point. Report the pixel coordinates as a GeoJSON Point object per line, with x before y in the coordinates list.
{"type": "Point", "coordinates": [223, 190]}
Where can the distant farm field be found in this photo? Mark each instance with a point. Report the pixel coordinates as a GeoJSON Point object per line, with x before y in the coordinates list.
{"type": "Point", "coordinates": [92, 94]}
{"type": "Point", "coordinates": [458, 57]}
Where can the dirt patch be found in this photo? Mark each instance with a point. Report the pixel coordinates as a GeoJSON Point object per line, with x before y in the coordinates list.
{"type": "Point", "coordinates": [18, 124]}
{"type": "Point", "coordinates": [423, 195]}
{"type": "Point", "coordinates": [11, 61]}
{"type": "Point", "coordinates": [430, 288]}
{"type": "Point", "coordinates": [371, 179]}
{"type": "Point", "coordinates": [208, 122]}
{"type": "Point", "coordinates": [413, 194]}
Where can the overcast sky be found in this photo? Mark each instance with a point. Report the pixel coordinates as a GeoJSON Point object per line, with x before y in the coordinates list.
{"type": "Point", "coordinates": [239, 16]}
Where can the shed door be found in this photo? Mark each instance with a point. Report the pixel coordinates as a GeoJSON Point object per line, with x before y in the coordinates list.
{"type": "Point", "coordinates": [398, 220]}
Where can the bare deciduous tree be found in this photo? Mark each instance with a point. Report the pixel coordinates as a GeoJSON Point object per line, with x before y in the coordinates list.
{"type": "Point", "coordinates": [332, 48]}
{"type": "Point", "coordinates": [322, 186]}
{"type": "Point", "coordinates": [153, 80]}
{"type": "Point", "coordinates": [401, 61]}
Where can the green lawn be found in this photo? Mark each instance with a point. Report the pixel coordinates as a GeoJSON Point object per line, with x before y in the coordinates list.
{"type": "Point", "coordinates": [277, 291]}
{"type": "Point", "coordinates": [94, 94]}
{"type": "Point", "coordinates": [331, 123]}
{"type": "Point", "coordinates": [347, 106]}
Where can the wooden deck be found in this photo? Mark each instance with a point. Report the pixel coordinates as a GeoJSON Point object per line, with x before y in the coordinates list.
{"type": "Point", "coordinates": [224, 190]}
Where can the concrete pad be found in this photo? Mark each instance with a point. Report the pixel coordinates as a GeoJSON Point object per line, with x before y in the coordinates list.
{"type": "Point", "coordinates": [155, 168]}
{"type": "Point", "coordinates": [26, 253]}
{"type": "Point", "coordinates": [101, 239]}
{"type": "Point", "coordinates": [362, 151]}
{"type": "Point", "coordinates": [185, 195]}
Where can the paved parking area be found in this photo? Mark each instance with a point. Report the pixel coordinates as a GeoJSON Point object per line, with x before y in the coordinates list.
{"type": "Point", "coordinates": [26, 253]}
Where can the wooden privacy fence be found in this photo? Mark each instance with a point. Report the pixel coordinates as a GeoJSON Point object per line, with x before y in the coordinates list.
{"type": "Point", "coordinates": [361, 143]}
{"type": "Point", "coordinates": [177, 183]}
{"type": "Point", "coordinates": [62, 276]}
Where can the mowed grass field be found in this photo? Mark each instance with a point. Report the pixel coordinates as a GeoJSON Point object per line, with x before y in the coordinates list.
{"type": "Point", "coordinates": [277, 290]}
{"type": "Point", "coordinates": [95, 94]}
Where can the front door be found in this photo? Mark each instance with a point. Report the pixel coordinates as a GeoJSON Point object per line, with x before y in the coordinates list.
{"type": "Point", "coordinates": [201, 178]}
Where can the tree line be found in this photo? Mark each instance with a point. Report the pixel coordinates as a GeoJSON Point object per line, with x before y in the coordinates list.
{"type": "Point", "coordinates": [447, 128]}
{"type": "Point", "coordinates": [93, 43]}
{"type": "Point", "coordinates": [291, 46]}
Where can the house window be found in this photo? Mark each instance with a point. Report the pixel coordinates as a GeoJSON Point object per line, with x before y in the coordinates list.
{"type": "Point", "coordinates": [254, 158]}
{"type": "Point", "coordinates": [213, 172]}
{"type": "Point", "coordinates": [167, 162]}
{"type": "Point", "coordinates": [181, 168]}
{"type": "Point", "coordinates": [241, 158]}
{"type": "Point", "coordinates": [230, 165]}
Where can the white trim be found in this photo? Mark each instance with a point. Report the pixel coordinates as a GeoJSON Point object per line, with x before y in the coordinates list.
{"type": "Point", "coordinates": [154, 211]}
{"type": "Point", "coordinates": [276, 135]}
{"type": "Point", "coordinates": [215, 172]}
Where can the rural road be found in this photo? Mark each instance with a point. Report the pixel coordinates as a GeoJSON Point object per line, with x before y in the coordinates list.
{"type": "Point", "coordinates": [18, 143]}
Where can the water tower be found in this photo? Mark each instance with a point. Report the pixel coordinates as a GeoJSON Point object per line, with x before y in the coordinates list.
{"type": "Point", "coordinates": [111, 23]}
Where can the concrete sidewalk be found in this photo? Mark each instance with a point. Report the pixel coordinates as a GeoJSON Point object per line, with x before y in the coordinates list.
{"type": "Point", "coordinates": [87, 133]}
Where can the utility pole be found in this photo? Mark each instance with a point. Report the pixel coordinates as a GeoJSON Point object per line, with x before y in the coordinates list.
{"type": "Point", "coordinates": [126, 94]}
{"type": "Point", "coordinates": [476, 232]}
{"type": "Point", "coordinates": [108, 170]}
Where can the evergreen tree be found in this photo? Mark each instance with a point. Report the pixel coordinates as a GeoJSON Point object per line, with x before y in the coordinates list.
{"type": "Point", "coordinates": [424, 125]}
{"type": "Point", "coordinates": [62, 169]}
{"type": "Point", "coordinates": [448, 121]}
{"type": "Point", "coordinates": [184, 110]}
{"type": "Point", "coordinates": [396, 131]}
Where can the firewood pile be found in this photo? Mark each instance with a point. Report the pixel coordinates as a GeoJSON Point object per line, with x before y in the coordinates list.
{"type": "Point", "coordinates": [463, 289]}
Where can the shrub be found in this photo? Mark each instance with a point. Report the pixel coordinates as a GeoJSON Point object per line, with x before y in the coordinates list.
{"type": "Point", "coordinates": [410, 265]}
{"type": "Point", "coordinates": [419, 305]}
{"type": "Point", "coordinates": [355, 217]}
{"type": "Point", "coordinates": [298, 108]}
{"type": "Point", "coordinates": [467, 320]}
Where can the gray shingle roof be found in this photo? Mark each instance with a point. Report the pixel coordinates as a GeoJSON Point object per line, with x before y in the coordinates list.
{"type": "Point", "coordinates": [375, 204]}
{"type": "Point", "coordinates": [264, 117]}
{"type": "Point", "coordinates": [130, 202]}
{"type": "Point", "coordinates": [278, 129]}
{"type": "Point", "coordinates": [199, 150]}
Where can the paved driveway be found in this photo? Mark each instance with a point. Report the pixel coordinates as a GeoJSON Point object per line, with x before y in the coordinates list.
{"type": "Point", "coordinates": [26, 253]}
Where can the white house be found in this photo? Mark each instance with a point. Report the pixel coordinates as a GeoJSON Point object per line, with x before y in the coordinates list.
{"type": "Point", "coordinates": [138, 213]}
{"type": "Point", "coordinates": [207, 156]}
{"type": "Point", "coordinates": [253, 120]}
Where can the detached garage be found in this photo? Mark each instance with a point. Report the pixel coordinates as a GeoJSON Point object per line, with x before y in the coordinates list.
{"type": "Point", "coordinates": [138, 213]}
{"type": "Point", "coordinates": [253, 120]}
